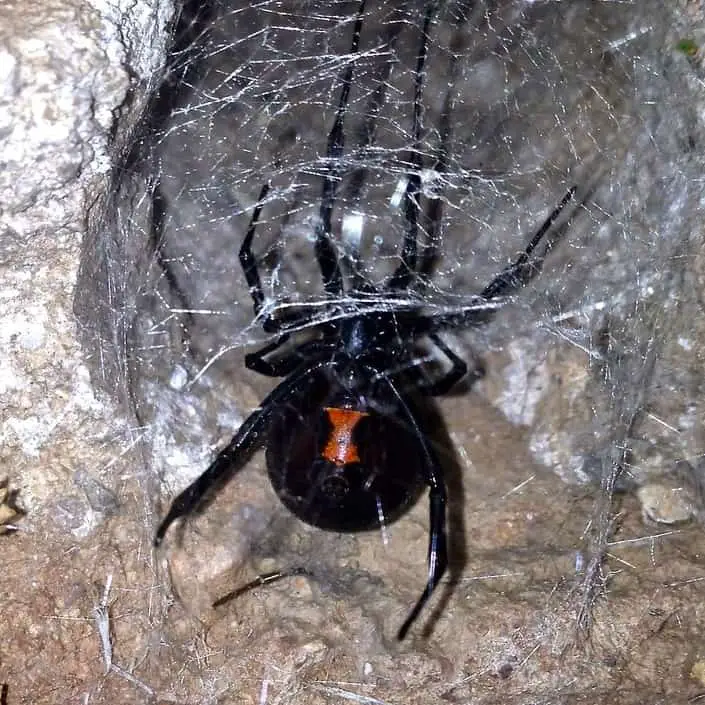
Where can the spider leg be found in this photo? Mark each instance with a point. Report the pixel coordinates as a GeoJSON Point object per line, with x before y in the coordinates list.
{"type": "Point", "coordinates": [279, 368]}
{"type": "Point", "coordinates": [325, 251]}
{"type": "Point", "coordinates": [434, 213]}
{"type": "Point", "coordinates": [457, 371]}
{"type": "Point", "coordinates": [248, 263]}
{"type": "Point", "coordinates": [232, 458]}
{"type": "Point", "coordinates": [513, 277]}
{"type": "Point", "coordinates": [524, 269]}
{"type": "Point", "coordinates": [437, 543]}
{"type": "Point", "coordinates": [402, 276]}
{"type": "Point", "coordinates": [247, 259]}
{"type": "Point", "coordinates": [367, 132]}
{"type": "Point", "coordinates": [283, 366]}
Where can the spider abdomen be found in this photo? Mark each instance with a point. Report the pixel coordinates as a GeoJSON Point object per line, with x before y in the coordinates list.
{"type": "Point", "coordinates": [342, 468]}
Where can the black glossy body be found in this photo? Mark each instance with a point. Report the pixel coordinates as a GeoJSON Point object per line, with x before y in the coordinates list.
{"type": "Point", "coordinates": [384, 471]}
{"type": "Point", "coordinates": [344, 447]}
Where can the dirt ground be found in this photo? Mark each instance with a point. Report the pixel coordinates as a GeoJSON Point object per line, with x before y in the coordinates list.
{"type": "Point", "coordinates": [503, 629]}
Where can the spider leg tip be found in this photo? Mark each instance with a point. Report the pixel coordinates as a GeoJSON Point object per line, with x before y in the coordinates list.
{"type": "Point", "coordinates": [159, 536]}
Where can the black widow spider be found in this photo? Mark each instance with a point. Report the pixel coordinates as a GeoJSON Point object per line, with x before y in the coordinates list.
{"type": "Point", "coordinates": [344, 448]}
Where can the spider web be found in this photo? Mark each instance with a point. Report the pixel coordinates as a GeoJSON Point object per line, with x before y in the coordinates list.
{"type": "Point", "coordinates": [596, 361]}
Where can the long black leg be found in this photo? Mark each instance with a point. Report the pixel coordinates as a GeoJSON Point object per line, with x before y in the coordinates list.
{"type": "Point", "coordinates": [524, 269]}
{"type": "Point", "coordinates": [366, 133]}
{"type": "Point", "coordinates": [248, 263]}
{"type": "Point", "coordinates": [434, 213]}
{"type": "Point", "coordinates": [247, 259]}
{"type": "Point", "coordinates": [437, 542]}
{"type": "Point", "coordinates": [521, 272]}
{"type": "Point", "coordinates": [281, 367]}
{"type": "Point", "coordinates": [325, 251]}
{"type": "Point", "coordinates": [368, 130]}
{"type": "Point", "coordinates": [402, 276]}
{"type": "Point", "coordinates": [457, 371]}
{"type": "Point", "coordinates": [237, 452]}
{"type": "Point", "coordinates": [437, 551]}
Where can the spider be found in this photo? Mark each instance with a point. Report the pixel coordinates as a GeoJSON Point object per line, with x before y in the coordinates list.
{"type": "Point", "coordinates": [345, 449]}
